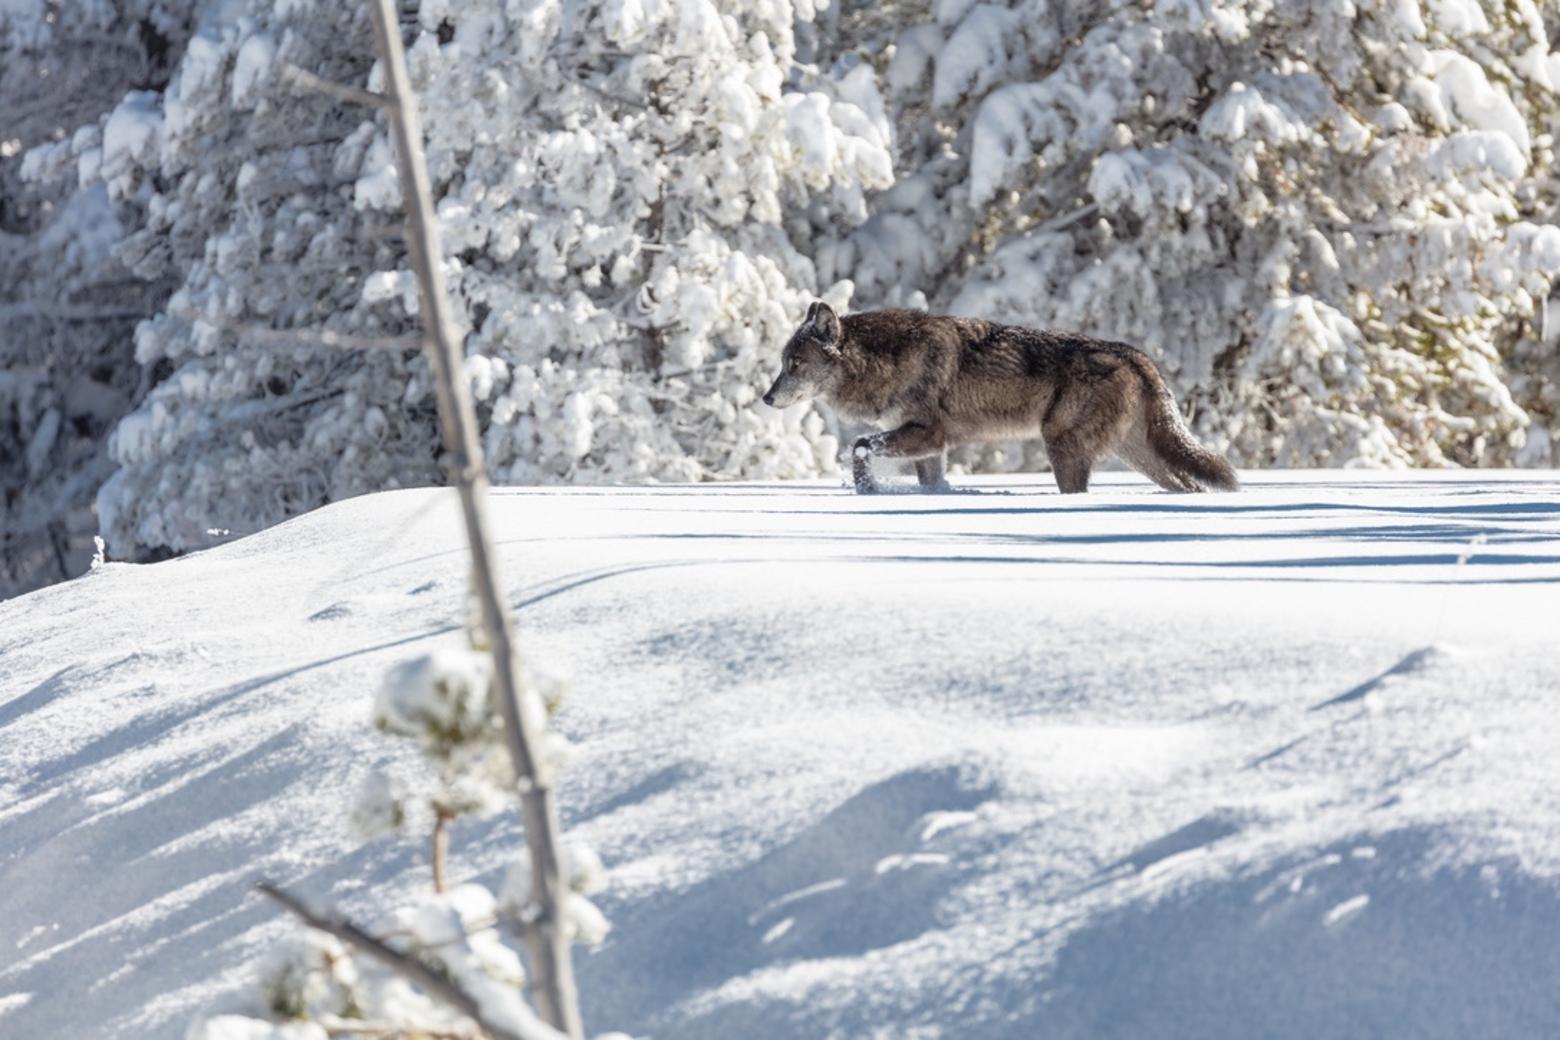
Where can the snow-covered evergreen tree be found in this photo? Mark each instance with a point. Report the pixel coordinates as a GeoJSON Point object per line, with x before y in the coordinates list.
{"type": "Point", "coordinates": [614, 182]}
{"type": "Point", "coordinates": [241, 190]}
{"type": "Point", "coordinates": [1318, 216]}
{"type": "Point", "coordinates": [618, 177]}
{"type": "Point", "coordinates": [67, 307]}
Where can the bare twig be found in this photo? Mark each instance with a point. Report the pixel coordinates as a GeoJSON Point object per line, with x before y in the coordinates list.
{"type": "Point", "coordinates": [322, 337]}
{"type": "Point", "coordinates": [547, 944]}
{"type": "Point", "coordinates": [264, 334]}
{"type": "Point", "coordinates": [441, 847]}
{"type": "Point", "coordinates": [337, 1026]}
{"type": "Point", "coordinates": [305, 78]}
{"type": "Point", "coordinates": [711, 366]}
{"type": "Point", "coordinates": [409, 968]}
{"type": "Point", "coordinates": [1058, 222]}
{"type": "Point", "coordinates": [609, 96]}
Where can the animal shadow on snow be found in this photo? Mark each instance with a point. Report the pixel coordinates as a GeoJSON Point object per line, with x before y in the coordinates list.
{"type": "Point", "coordinates": [859, 879]}
{"type": "Point", "coordinates": [1364, 939]}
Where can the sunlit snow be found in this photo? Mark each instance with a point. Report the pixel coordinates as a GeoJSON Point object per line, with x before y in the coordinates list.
{"type": "Point", "coordinates": [996, 763]}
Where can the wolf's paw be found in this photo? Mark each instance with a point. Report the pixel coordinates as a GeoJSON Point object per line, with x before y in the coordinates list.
{"type": "Point", "coordinates": [861, 466]}
{"type": "Point", "coordinates": [942, 487]}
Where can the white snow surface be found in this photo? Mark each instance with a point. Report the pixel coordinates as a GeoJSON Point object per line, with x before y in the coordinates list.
{"type": "Point", "coordinates": [994, 763]}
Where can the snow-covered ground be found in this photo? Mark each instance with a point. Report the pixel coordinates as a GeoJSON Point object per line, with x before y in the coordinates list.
{"type": "Point", "coordinates": [997, 763]}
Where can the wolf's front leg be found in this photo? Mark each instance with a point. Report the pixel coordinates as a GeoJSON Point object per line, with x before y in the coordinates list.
{"type": "Point", "coordinates": [910, 441]}
{"type": "Point", "coordinates": [861, 467]}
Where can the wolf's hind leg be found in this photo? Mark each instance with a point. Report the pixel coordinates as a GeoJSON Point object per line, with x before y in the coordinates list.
{"type": "Point", "coordinates": [1070, 466]}
{"type": "Point", "coordinates": [1081, 428]}
{"type": "Point", "coordinates": [929, 473]}
{"type": "Point", "coordinates": [1072, 454]}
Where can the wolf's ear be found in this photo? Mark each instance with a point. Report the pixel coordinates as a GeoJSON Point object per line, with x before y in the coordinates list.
{"type": "Point", "coordinates": [812, 310]}
{"type": "Point", "coordinates": [826, 322]}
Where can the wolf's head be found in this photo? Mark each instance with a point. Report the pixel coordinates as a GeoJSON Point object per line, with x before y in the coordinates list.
{"type": "Point", "coordinates": [810, 364]}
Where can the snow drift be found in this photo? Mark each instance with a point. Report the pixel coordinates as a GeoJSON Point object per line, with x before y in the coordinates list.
{"type": "Point", "coordinates": [990, 764]}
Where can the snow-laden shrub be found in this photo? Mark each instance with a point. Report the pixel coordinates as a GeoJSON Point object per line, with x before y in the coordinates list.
{"type": "Point", "coordinates": [582, 921]}
{"type": "Point", "coordinates": [445, 703]}
{"type": "Point", "coordinates": [1322, 219]}
{"type": "Point", "coordinates": [315, 985]}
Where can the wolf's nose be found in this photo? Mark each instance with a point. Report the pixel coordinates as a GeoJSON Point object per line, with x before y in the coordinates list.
{"type": "Point", "coordinates": [769, 399]}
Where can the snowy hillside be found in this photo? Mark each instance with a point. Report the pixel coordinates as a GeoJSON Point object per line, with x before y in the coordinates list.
{"type": "Point", "coordinates": [990, 764]}
{"type": "Point", "coordinates": [1335, 226]}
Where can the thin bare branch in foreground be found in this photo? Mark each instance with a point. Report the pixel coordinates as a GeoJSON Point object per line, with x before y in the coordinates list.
{"type": "Point", "coordinates": [546, 941]}
{"type": "Point", "coordinates": [409, 968]}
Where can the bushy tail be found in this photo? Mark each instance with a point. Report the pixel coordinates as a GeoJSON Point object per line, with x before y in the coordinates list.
{"type": "Point", "coordinates": [1178, 449]}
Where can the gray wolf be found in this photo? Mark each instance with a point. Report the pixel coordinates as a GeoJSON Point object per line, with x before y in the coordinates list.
{"type": "Point", "coordinates": [932, 382]}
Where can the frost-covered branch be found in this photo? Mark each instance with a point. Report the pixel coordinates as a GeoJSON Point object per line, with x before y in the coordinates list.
{"type": "Point", "coordinates": [308, 80]}
{"type": "Point", "coordinates": [268, 336]}
{"type": "Point", "coordinates": [321, 337]}
{"type": "Point", "coordinates": [410, 968]}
